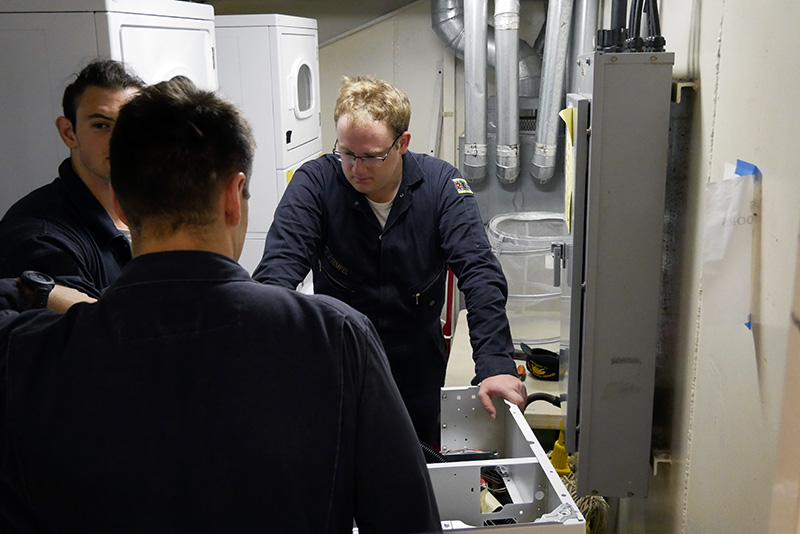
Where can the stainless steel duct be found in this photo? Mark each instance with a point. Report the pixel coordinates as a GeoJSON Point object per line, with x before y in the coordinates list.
{"type": "Point", "coordinates": [506, 26]}
{"type": "Point", "coordinates": [583, 35]}
{"type": "Point", "coordinates": [447, 21]}
{"type": "Point", "coordinates": [475, 65]}
{"type": "Point", "coordinates": [559, 20]}
{"type": "Point", "coordinates": [518, 66]}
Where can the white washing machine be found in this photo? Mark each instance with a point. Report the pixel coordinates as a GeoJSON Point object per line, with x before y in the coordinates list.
{"type": "Point", "coordinates": [44, 42]}
{"type": "Point", "coordinates": [269, 66]}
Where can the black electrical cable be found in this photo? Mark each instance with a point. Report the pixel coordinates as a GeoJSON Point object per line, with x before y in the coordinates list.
{"type": "Point", "coordinates": [652, 15]}
{"type": "Point", "coordinates": [552, 399]}
{"type": "Point", "coordinates": [432, 456]}
{"type": "Point", "coordinates": [618, 10]}
{"type": "Point", "coordinates": [632, 19]}
{"type": "Point", "coordinates": [635, 42]}
{"type": "Point", "coordinates": [654, 41]}
{"type": "Point", "coordinates": [653, 22]}
{"type": "Point", "coordinates": [613, 40]}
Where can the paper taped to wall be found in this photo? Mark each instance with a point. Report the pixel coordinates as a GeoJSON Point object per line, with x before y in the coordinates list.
{"type": "Point", "coordinates": [730, 217]}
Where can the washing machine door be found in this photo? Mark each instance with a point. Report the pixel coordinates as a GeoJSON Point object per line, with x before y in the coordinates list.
{"type": "Point", "coordinates": [159, 47]}
{"type": "Point", "coordinates": [298, 80]}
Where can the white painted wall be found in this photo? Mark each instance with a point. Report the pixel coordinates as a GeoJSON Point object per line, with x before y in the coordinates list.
{"type": "Point", "coordinates": [727, 392]}
{"type": "Point", "coordinates": [403, 50]}
{"type": "Point", "coordinates": [785, 516]}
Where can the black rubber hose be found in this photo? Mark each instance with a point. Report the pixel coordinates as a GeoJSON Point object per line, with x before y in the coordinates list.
{"type": "Point", "coordinates": [552, 399]}
{"type": "Point", "coordinates": [635, 19]}
{"type": "Point", "coordinates": [432, 456]}
{"type": "Point", "coordinates": [618, 10]}
{"type": "Point", "coordinates": [653, 22]}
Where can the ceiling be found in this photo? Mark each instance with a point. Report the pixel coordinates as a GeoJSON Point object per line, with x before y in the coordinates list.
{"type": "Point", "coordinates": [334, 18]}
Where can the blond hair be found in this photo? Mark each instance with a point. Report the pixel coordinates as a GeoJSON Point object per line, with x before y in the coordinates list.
{"type": "Point", "coordinates": [363, 99]}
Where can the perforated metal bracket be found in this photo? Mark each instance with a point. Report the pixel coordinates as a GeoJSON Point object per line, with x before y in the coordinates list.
{"type": "Point", "coordinates": [562, 514]}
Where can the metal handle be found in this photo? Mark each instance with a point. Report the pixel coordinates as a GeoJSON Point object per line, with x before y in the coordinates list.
{"type": "Point", "coordinates": [558, 259]}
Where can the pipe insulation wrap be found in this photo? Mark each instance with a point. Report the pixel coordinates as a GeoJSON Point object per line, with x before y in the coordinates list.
{"type": "Point", "coordinates": [475, 149]}
{"type": "Point", "coordinates": [508, 151]}
{"type": "Point", "coordinates": [506, 21]}
{"type": "Point", "coordinates": [447, 21]}
{"type": "Point", "coordinates": [475, 66]}
{"type": "Point", "coordinates": [557, 33]}
{"type": "Point", "coordinates": [584, 32]}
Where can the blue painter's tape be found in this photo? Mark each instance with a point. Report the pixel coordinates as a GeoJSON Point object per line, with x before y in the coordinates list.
{"type": "Point", "coordinates": [749, 323]}
{"type": "Point", "coordinates": [745, 169]}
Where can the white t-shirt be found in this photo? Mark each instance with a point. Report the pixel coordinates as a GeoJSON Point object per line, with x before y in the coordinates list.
{"type": "Point", "coordinates": [381, 210]}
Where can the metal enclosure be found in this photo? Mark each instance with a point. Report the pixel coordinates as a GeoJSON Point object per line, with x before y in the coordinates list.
{"type": "Point", "coordinates": [541, 503]}
{"type": "Point", "coordinates": [612, 266]}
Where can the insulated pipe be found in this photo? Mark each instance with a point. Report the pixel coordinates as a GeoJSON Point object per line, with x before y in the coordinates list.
{"type": "Point", "coordinates": [447, 21]}
{"type": "Point", "coordinates": [506, 27]}
{"type": "Point", "coordinates": [559, 18]}
{"type": "Point", "coordinates": [583, 36]}
{"type": "Point", "coordinates": [475, 24]}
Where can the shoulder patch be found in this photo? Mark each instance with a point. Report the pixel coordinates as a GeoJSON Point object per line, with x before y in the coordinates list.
{"type": "Point", "coordinates": [462, 186]}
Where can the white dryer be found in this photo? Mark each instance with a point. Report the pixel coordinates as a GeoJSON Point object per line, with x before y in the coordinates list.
{"type": "Point", "coordinates": [269, 66]}
{"type": "Point", "coordinates": [44, 42]}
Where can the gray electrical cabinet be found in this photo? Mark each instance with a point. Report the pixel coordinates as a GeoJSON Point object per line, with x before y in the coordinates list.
{"type": "Point", "coordinates": [616, 167]}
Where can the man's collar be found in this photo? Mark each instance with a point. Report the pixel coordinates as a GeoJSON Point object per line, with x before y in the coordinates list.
{"type": "Point", "coordinates": [90, 208]}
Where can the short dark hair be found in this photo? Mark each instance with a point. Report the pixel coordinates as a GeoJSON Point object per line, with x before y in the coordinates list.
{"type": "Point", "coordinates": [104, 73]}
{"type": "Point", "coordinates": [172, 150]}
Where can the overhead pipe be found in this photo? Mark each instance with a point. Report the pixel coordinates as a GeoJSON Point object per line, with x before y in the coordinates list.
{"type": "Point", "coordinates": [447, 21]}
{"type": "Point", "coordinates": [530, 67]}
{"type": "Point", "coordinates": [557, 32]}
{"type": "Point", "coordinates": [584, 32]}
{"type": "Point", "coordinates": [506, 26]}
{"type": "Point", "coordinates": [475, 51]}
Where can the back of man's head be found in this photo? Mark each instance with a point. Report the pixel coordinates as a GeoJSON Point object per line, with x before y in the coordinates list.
{"type": "Point", "coordinates": [172, 150]}
{"type": "Point", "coordinates": [103, 73]}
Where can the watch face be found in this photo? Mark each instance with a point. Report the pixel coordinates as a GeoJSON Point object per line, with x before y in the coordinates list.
{"type": "Point", "coordinates": [39, 278]}
{"type": "Point", "coordinates": [41, 284]}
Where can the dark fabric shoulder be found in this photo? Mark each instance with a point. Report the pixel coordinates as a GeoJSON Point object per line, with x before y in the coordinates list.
{"type": "Point", "coordinates": [324, 171]}
{"type": "Point", "coordinates": [11, 297]}
{"type": "Point", "coordinates": [63, 230]}
{"type": "Point", "coordinates": [40, 202]}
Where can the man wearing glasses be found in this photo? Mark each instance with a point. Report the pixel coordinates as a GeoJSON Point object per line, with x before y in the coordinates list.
{"type": "Point", "coordinates": [379, 225]}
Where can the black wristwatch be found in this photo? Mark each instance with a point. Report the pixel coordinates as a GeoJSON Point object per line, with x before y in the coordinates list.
{"type": "Point", "coordinates": [41, 285]}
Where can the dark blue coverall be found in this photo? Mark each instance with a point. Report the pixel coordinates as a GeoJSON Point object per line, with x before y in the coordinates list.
{"type": "Point", "coordinates": [396, 275]}
{"type": "Point", "coordinates": [161, 408]}
{"type": "Point", "coordinates": [62, 230]}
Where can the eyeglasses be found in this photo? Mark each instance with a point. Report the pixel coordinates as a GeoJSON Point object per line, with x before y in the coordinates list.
{"type": "Point", "coordinates": [369, 161]}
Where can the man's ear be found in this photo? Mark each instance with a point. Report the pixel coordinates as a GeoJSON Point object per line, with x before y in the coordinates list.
{"type": "Point", "coordinates": [118, 208]}
{"type": "Point", "coordinates": [234, 199]}
{"type": "Point", "coordinates": [67, 132]}
{"type": "Point", "coordinates": [402, 143]}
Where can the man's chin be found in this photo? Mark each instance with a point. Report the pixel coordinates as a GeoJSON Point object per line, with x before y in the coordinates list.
{"type": "Point", "coordinates": [361, 186]}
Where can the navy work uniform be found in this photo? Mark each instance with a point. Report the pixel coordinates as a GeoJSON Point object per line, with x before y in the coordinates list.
{"type": "Point", "coordinates": [160, 409]}
{"type": "Point", "coordinates": [62, 230]}
{"type": "Point", "coordinates": [396, 275]}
